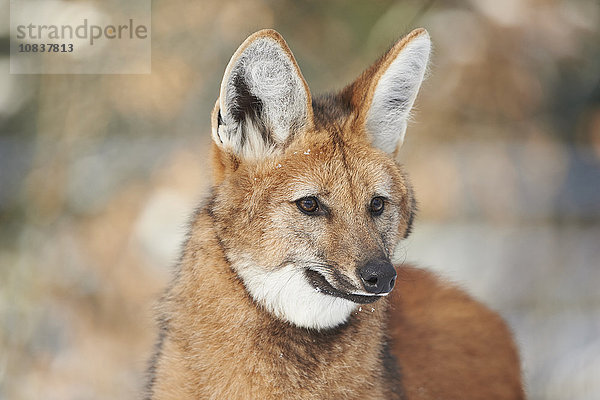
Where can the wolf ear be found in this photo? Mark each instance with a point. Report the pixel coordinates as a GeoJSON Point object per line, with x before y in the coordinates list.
{"type": "Point", "coordinates": [385, 93]}
{"type": "Point", "coordinates": [264, 99]}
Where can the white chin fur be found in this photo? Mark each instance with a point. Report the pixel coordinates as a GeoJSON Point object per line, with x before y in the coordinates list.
{"type": "Point", "coordinates": [286, 293]}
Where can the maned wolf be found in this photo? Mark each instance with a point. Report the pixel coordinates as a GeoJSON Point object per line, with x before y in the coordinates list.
{"type": "Point", "coordinates": [284, 288]}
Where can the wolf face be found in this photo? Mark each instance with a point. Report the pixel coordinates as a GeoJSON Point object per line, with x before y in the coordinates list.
{"type": "Point", "coordinates": [309, 202]}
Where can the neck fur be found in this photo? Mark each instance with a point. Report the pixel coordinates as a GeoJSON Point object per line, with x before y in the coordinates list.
{"type": "Point", "coordinates": [234, 347]}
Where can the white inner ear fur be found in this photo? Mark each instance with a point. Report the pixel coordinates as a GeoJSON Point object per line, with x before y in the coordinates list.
{"type": "Point", "coordinates": [395, 94]}
{"type": "Point", "coordinates": [270, 76]}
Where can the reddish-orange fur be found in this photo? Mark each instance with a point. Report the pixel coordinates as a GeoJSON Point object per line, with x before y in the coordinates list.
{"type": "Point", "coordinates": [427, 340]}
{"type": "Point", "coordinates": [450, 346]}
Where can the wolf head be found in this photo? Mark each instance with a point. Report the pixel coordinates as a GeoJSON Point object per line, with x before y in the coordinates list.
{"type": "Point", "coordinates": [309, 202]}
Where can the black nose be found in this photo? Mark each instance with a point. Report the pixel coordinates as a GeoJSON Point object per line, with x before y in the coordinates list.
{"type": "Point", "coordinates": [378, 276]}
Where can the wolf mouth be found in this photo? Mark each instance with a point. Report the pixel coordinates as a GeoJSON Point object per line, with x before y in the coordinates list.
{"type": "Point", "coordinates": [321, 284]}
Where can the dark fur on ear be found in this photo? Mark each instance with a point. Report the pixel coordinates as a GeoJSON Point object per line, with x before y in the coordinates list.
{"type": "Point", "coordinates": [264, 99]}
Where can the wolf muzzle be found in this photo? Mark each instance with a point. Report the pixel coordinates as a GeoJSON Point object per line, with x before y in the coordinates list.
{"type": "Point", "coordinates": [378, 276]}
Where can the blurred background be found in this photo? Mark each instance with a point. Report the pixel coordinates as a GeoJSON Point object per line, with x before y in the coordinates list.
{"type": "Point", "coordinates": [99, 175]}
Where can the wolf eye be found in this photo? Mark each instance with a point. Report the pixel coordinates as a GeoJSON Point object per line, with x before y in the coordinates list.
{"type": "Point", "coordinates": [308, 205]}
{"type": "Point", "coordinates": [376, 206]}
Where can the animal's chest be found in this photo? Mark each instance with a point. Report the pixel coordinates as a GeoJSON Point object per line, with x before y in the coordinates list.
{"type": "Point", "coordinates": [280, 374]}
